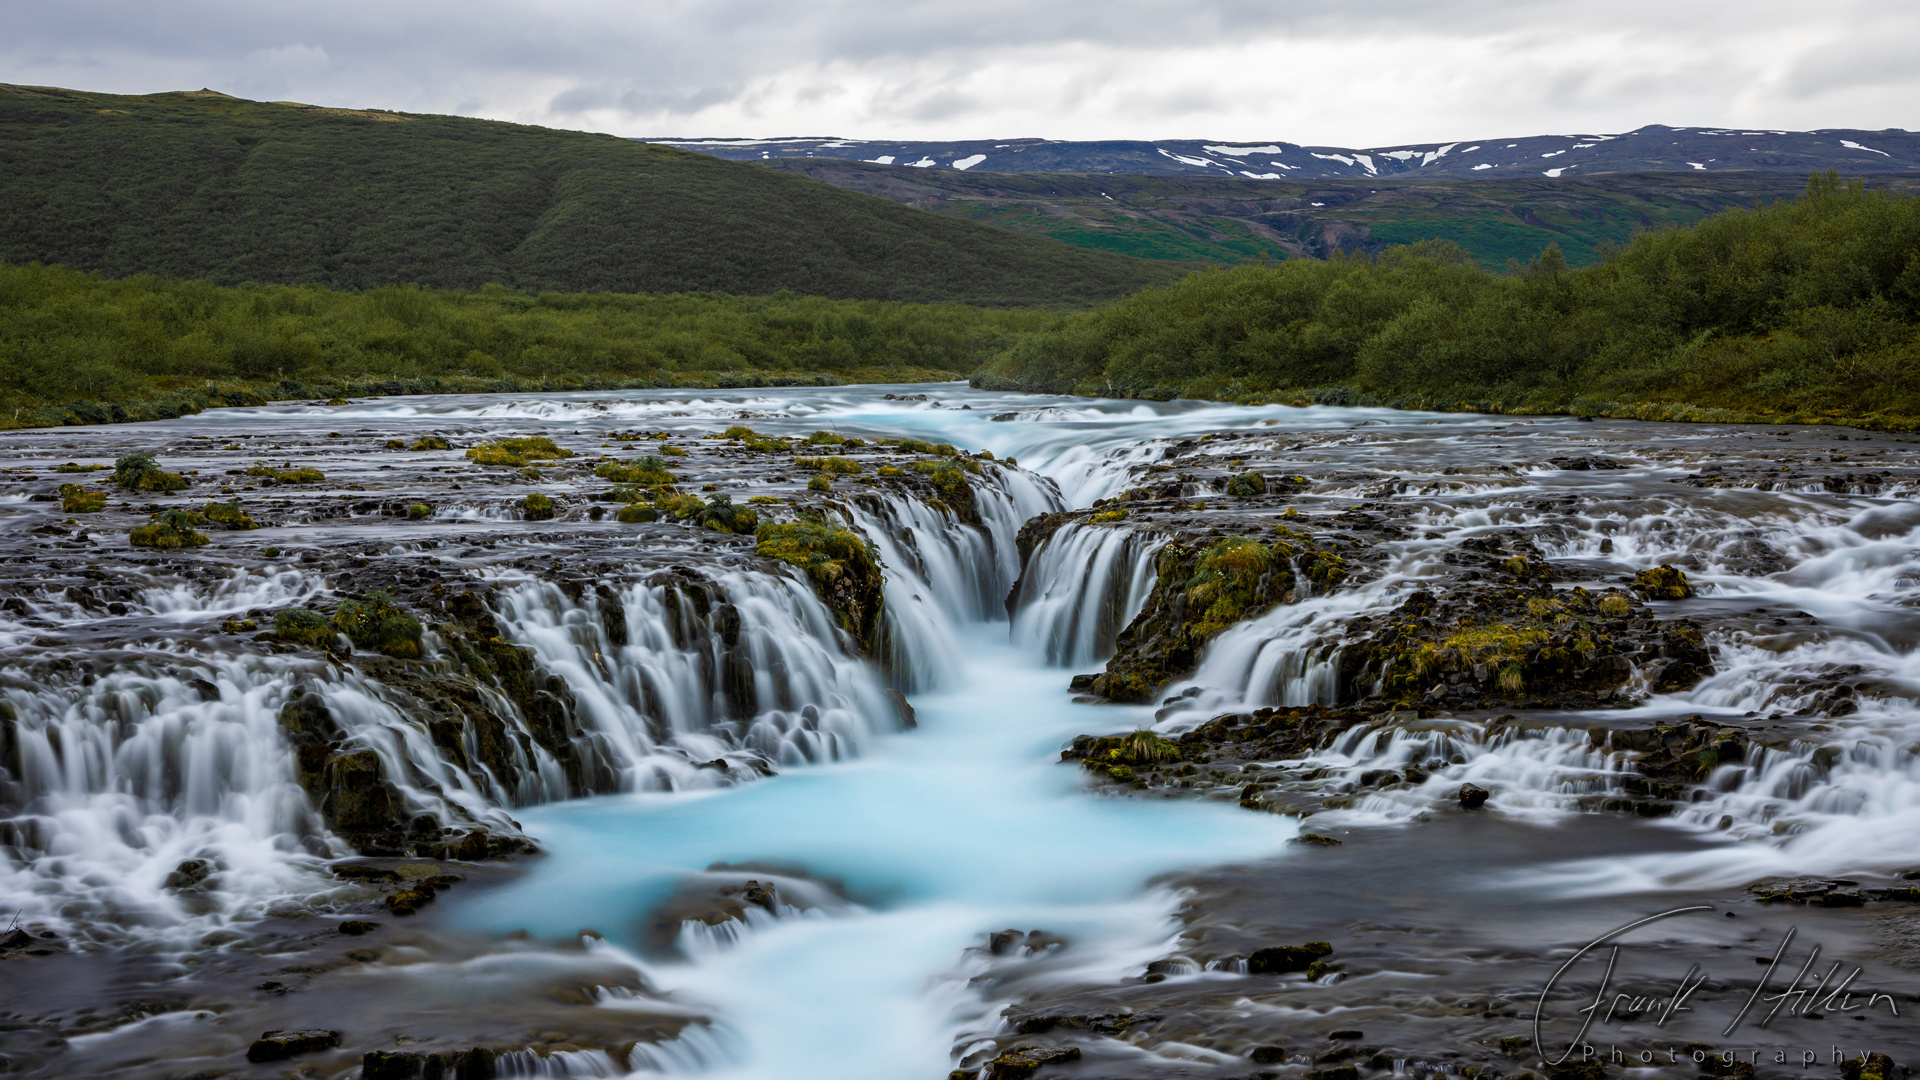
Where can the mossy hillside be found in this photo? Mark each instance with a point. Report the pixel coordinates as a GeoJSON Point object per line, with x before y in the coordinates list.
{"type": "Point", "coordinates": [215, 188]}
{"type": "Point", "coordinates": [842, 564]}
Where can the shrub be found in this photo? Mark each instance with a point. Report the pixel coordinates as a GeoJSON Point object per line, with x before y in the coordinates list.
{"type": "Point", "coordinates": [75, 499]}
{"type": "Point", "coordinates": [536, 507]}
{"type": "Point", "coordinates": [376, 621]}
{"type": "Point", "coordinates": [172, 529]}
{"type": "Point", "coordinates": [634, 513]}
{"type": "Point", "coordinates": [303, 626]}
{"type": "Point", "coordinates": [229, 515]}
{"type": "Point", "coordinates": [128, 470]}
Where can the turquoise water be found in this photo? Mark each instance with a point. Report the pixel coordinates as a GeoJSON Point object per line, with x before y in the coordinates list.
{"type": "Point", "coordinates": [967, 826]}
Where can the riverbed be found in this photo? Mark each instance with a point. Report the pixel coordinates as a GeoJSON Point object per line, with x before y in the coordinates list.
{"type": "Point", "coordinates": [889, 854]}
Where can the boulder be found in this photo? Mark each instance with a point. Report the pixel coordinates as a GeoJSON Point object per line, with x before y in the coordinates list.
{"type": "Point", "coordinates": [280, 1045]}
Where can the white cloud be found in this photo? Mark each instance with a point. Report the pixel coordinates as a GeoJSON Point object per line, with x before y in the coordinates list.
{"type": "Point", "coordinates": [1237, 71]}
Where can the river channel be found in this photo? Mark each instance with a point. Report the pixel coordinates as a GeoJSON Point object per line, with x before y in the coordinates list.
{"type": "Point", "coordinates": [716, 828]}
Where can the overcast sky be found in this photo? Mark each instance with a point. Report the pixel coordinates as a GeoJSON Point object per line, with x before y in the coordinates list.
{"type": "Point", "coordinates": [1331, 72]}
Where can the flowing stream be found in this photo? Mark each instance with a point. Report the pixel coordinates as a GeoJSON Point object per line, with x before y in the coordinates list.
{"type": "Point", "coordinates": [144, 738]}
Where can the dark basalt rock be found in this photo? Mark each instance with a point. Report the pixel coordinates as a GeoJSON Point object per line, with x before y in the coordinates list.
{"type": "Point", "coordinates": [280, 1045]}
{"type": "Point", "coordinates": [1023, 1061]}
{"type": "Point", "coordinates": [1282, 959]}
{"type": "Point", "coordinates": [1472, 797]}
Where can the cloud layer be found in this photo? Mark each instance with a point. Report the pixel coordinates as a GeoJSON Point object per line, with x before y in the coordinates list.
{"type": "Point", "coordinates": [1344, 72]}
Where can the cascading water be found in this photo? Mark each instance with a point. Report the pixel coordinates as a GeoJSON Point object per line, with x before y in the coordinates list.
{"type": "Point", "coordinates": [150, 741]}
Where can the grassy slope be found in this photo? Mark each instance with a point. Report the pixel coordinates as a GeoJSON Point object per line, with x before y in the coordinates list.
{"type": "Point", "coordinates": [200, 185]}
{"type": "Point", "coordinates": [1217, 220]}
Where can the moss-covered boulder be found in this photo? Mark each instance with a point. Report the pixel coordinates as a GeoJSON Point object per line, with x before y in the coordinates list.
{"type": "Point", "coordinates": [1247, 485]}
{"type": "Point", "coordinates": [304, 627]}
{"type": "Point", "coordinates": [536, 507]}
{"type": "Point", "coordinates": [646, 471]}
{"type": "Point", "coordinates": [229, 515]}
{"type": "Point", "coordinates": [75, 499]}
{"type": "Point", "coordinates": [1200, 591]}
{"type": "Point", "coordinates": [635, 513]}
{"type": "Point", "coordinates": [1662, 583]}
{"type": "Point", "coordinates": [842, 565]}
{"type": "Point", "coordinates": [377, 621]}
{"type": "Point", "coordinates": [722, 515]}
{"type": "Point", "coordinates": [170, 530]}
{"type": "Point", "coordinates": [516, 453]}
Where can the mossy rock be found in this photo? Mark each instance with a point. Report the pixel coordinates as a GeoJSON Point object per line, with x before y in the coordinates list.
{"type": "Point", "coordinates": [418, 511]}
{"type": "Point", "coordinates": [517, 452]}
{"type": "Point", "coordinates": [682, 507]}
{"type": "Point", "coordinates": [891, 471]}
{"type": "Point", "coordinates": [431, 442]}
{"type": "Point", "coordinates": [839, 465]}
{"type": "Point", "coordinates": [1247, 485]}
{"type": "Point", "coordinates": [739, 431]}
{"type": "Point", "coordinates": [536, 507]}
{"type": "Point", "coordinates": [634, 513]}
{"type": "Point", "coordinates": [842, 565]}
{"type": "Point", "coordinates": [767, 446]}
{"type": "Point", "coordinates": [377, 621]}
{"type": "Point", "coordinates": [303, 626]}
{"type": "Point", "coordinates": [1108, 517]}
{"type": "Point", "coordinates": [646, 471]}
{"type": "Point", "coordinates": [169, 530]}
{"type": "Point", "coordinates": [722, 516]}
{"type": "Point", "coordinates": [822, 482]}
{"type": "Point", "coordinates": [160, 480]}
{"type": "Point", "coordinates": [1662, 583]}
{"type": "Point", "coordinates": [229, 515]}
{"type": "Point", "coordinates": [75, 499]}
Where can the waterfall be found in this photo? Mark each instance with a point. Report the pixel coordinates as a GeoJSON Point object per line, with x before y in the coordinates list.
{"type": "Point", "coordinates": [1083, 585]}
{"type": "Point", "coordinates": [125, 767]}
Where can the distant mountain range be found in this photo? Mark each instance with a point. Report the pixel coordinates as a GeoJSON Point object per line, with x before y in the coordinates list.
{"type": "Point", "coordinates": [1651, 149]}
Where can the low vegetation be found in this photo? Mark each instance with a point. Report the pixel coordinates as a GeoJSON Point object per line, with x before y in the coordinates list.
{"type": "Point", "coordinates": [1804, 310]}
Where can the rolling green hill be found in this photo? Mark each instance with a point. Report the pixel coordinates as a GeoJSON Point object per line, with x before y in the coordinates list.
{"type": "Point", "coordinates": [202, 185]}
